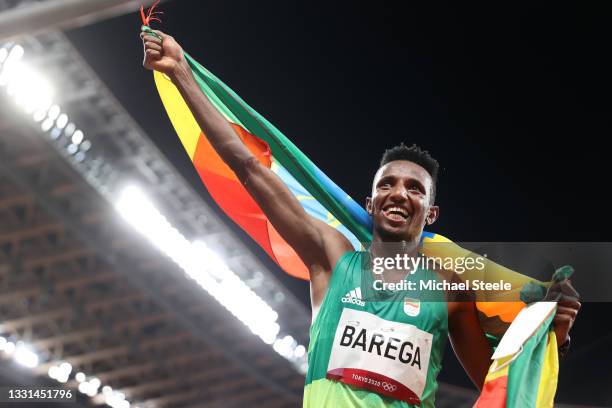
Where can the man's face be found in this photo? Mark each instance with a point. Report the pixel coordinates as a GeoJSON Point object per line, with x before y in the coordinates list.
{"type": "Point", "coordinates": [400, 205]}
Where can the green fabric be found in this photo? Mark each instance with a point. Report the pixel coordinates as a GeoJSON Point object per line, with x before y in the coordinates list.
{"type": "Point", "coordinates": [564, 272]}
{"type": "Point", "coordinates": [524, 372]}
{"type": "Point", "coordinates": [347, 275]}
{"type": "Point", "coordinates": [283, 150]}
{"type": "Point", "coordinates": [532, 292]}
{"type": "Point", "coordinates": [535, 292]}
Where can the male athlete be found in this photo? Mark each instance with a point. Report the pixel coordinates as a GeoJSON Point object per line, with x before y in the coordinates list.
{"type": "Point", "coordinates": [388, 340]}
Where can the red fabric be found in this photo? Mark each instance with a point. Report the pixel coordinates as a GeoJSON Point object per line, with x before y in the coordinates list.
{"type": "Point", "coordinates": [493, 394]}
{"type": "Point", "coordinates": [231, 196]}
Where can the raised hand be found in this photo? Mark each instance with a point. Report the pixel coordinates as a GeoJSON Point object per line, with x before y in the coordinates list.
{"type": "Point", "coordinates": [161, 52]}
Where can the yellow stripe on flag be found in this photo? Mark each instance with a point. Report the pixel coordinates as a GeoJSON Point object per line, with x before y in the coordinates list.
{"type": "Point", "coordinates": [495, 372]}
{"type": "Point", "coordinates": [548, 378]}
{"type": "Point", "coordinates": [183, 121]}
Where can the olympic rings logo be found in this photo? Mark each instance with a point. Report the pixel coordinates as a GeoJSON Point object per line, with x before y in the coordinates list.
{"type": "Point", "coordinates": [389, 387]}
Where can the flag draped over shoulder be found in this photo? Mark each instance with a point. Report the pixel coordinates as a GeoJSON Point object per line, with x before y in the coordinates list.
{"type": "Point", "coordinates": [318, 194]}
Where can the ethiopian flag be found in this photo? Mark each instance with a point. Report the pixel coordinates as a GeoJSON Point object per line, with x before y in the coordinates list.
{"type": "Point", "coordinates": [525, 375]}
{"type": "Point", "coordinates": [317, 193]}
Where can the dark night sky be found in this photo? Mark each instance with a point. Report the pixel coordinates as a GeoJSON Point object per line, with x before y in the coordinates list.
{"type": "Point", "coordinates": [513, 101]}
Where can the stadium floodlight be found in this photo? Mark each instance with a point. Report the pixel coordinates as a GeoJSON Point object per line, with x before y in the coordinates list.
{"type": "Point", "coordinates": [9, 348]}
{"type": "Point", "coordinates": [72, 148]}
{"type": "Point", "coordinates": [116, 399]}
{"type": "Point", "coordinates": [28, 88]}
{"type": "Point", "coordinates": [53, 372]}
{"type": "Point", "coordinates": [34, 95]}
{"type": "Point", "coordinates": [46, 124]}
{"type": "Point", "coordinates": [39, 115]}
{"type": "Point", "coordinates": [83, 387]}
{"type": "Point", "coordinates": [95, 382]}
{"type": "Point", "coordinates": [61, 372]}
{"type": "Point", "coordinates": [206, 267]}
{"type": "Point", "coordinates": [77, 137]}
{"type": "Point", "coordinates": [53, 112]}
{"type": "Point", "coordinates": [90, 387]}
{"type": "Point", "coordinates": [285, 346]}
{"type": "Point", "coordinates": [24, 356]}
{"type": "Point", "coordinates": [10, 64]}
{"type": "Point", "coordinates": [69, 129]}
{"type": "Point", "coordinates": [62, 121]}
{"type": "Point", "coordinates": [299, 351]}
{"type": "Point", "coordinates": [65, 370]}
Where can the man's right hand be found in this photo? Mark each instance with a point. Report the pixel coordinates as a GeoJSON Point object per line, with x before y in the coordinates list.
{"type": "Point", "coordinates": [163, 55]}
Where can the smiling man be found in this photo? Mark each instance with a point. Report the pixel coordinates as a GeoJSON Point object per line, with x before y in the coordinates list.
{"type": "Point", "coordinates": [385, 352]}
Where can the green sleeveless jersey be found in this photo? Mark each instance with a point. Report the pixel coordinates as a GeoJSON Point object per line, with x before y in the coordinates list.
{"type": "Point", "coordinates": [383, 349]}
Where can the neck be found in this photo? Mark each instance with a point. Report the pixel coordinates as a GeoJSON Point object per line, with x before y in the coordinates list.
{"type": "Point", "coordinates": [391, 249]}
{"type": "Point", "coordinates": [394, 259]}
{"type": "Point", "coordinates": [384, 246]}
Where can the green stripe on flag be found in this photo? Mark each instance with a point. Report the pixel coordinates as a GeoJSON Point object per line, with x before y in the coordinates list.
{"type": "Point", "coordinates": [525, 372]}
{"type": "Point", "coordinates": [283, 150]}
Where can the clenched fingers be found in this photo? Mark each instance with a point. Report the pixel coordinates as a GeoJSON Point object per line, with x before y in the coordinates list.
{"type": "Point", "coordinates": [562, 291]}
{"type": "Point", "coordinates": [155, 54]}
{"type": "Point", "coordinates": [570, 303]}
{"type": "Point", "coordinates": [567, 311]}
{"type": "Point", "coordinates": [156, 34]}
{"type": "Point", "coordinates": [147, 38]}
{"type": "Point", "coordinates": [149, 45]}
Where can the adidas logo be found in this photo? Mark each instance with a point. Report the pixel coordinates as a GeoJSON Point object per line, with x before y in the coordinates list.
{"type": "Point", "coordinates": [354, 297]}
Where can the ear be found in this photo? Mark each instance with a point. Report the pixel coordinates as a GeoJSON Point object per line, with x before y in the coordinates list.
{"type": "Point", "coordinates": [432, 214]}
{"type": "Point", "coordinates": [369, 205]}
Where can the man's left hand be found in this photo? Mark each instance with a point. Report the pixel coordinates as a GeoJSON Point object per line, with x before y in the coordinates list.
{"type": "Point", "coordinates": [568, 305]}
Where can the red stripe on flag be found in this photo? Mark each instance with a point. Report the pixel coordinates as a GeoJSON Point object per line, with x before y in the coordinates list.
{"type": "Point", "coordinates": [231, 196]}
{"type": "Point", "coordinates": [239, 206]}
{"type": "Point", "coordinates": [494, 394]}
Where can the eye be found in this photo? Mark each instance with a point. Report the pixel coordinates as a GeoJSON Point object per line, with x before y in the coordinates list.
{"type": "Point", "coordinates": [416, 188]}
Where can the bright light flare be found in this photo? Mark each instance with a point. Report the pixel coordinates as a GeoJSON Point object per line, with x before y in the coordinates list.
{"type": "Point", "coordinates": [24, 356]}
{"type": "Point", "coordinates": [200, 263]}
{"type": "Point", "coordinates": [30, 90]}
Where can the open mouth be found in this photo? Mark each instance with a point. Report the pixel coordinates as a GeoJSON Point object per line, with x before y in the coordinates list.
{"type": "Point", "coordinates": [396, 213]}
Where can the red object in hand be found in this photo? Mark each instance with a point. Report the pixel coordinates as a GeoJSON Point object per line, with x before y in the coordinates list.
{"type": "Point", "coordinates": [146, 20]}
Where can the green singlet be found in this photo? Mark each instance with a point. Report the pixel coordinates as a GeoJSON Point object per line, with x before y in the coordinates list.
{"type": "Point", "coordinates": [380, 350]}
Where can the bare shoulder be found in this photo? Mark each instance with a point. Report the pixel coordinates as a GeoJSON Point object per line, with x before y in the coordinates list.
{"type": "Point", "coordinates": [334, 246]}
{"type": "Point", "coordinates": [335, 243]}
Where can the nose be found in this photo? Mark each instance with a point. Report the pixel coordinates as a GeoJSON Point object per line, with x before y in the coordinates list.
{"type": "Point", "coordinates": [398, 193]}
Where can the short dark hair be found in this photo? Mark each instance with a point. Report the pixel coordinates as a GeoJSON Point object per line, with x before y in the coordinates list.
{"type": "Point", "coordinates": [415, 155]}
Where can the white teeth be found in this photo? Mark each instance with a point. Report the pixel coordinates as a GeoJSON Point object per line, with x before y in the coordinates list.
{"type": "Point", "coordinates": [397, 209]}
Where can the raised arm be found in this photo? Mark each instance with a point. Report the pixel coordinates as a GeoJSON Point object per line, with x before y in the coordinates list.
{"type": "Point", "coordinates": [316, 243]}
